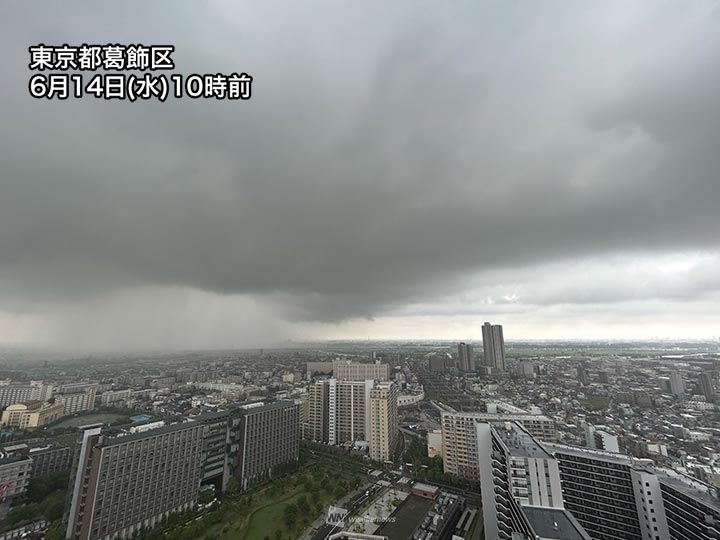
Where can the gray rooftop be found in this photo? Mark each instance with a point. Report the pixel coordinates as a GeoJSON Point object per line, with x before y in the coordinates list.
{"type": "Point", "coordinates": [691, 487]}
{"type": "Point", "coordinates": [519, 441]}
{"type": "Point", "coordinates": [587, 453]}
{"type": "Point", "coordinates": [554, 523]}
{"type": "Point", "coordinates": [153, 432]}
{"type": "Point", "coordinates": [267, 407]}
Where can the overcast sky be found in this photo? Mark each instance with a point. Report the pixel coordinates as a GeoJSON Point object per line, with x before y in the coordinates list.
{"type": "Point", "coordinates": [403, 169]}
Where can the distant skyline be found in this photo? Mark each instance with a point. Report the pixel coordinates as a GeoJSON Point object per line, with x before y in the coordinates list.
{"type": "Point", "coordinates": [404, 170]}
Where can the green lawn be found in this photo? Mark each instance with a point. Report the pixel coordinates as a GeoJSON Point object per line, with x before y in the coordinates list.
{"type": "Point", "coordinates": [267, 520]}
{"type": "Point", "coordinates": [260, 513]}
{"type": "Point", "coordinates": [595, 403]}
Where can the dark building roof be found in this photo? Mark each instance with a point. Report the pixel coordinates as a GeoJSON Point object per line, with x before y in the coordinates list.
{"type": "Point", "coordinates": [554, 523]}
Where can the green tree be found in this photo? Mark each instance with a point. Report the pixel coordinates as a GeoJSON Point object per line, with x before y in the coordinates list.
{"type": "Point", "coordinates": [55, 531]}
{"type": "Point", "coordinates": [290, 513]}
{"type": "Point", "coordinates": [27, 512]}
{"type": "Point", "coordinates": [53, 506]}
{"type": "Point", "coordinates": [40, 487]}
{"type": "Point", "coordinates": [303, 505]}
{"type": "Point", "coordinates": [206, 496]}
{"type": "Point", "coordinates": [233, 487]}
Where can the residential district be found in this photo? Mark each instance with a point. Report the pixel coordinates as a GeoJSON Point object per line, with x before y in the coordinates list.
{"type": "Point", "coordinates": [422, 441]}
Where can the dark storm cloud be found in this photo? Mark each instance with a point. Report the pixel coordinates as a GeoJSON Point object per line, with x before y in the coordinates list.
{"type": "Point", "coordinates": [389, 153]}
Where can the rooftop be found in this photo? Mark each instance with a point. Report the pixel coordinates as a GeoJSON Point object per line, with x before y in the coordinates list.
{"type": "Point", "coordinates": [691, 487]}
{"type": "Point", "coordinates": [124, 437]}
{"type": "Point", "coordinates": [554, 523]}
{"type": "Point", "coordinates": [412, 510]}
{"type": "Point", "coordinates": [425, 487]}
{"type": "Point", "coordinates": [268, 407]}
{"type": "Point", "coordinates": [519, 441]}
{"type": "Point", "coordinates": [587, 453]}
{"type": "Point", "coordinates": [498, 417]}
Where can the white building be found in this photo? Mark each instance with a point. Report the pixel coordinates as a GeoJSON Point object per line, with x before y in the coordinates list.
{"type": "Point", "coordinates": [459, 443]}
{"type": "Point", "coordinates": [76, 398]}
{"type": "Point", "coordinates": [600, 439]}
{"type": "Point", "coordinates": [515, 471]}
{"type": "Point", "coordinates": [13, 392]}
{"type": "Point", "coordinates": [113, 396]}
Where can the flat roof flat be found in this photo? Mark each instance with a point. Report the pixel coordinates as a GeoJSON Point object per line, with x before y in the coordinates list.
{"type": "Point", "coordinates": [692, 488]}
{"type": "Point", "coordinates": [519, 441]}
{"type": "Point", "coordinates": [425, 487]}
{"type": "Point", "coordinates": [123, 438]}
{"type": "Point", "coordinates": [408, 515]}
{"type": "Point", "coordinates": [588, 453]}
{"type": "Point", "coordinates": [554, 524]}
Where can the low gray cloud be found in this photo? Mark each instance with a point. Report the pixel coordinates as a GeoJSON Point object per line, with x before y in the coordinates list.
{"type": "Point", "coordinates": [389, 155]}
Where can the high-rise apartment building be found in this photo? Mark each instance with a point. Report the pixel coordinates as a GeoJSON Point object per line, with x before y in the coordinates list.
{"type": "Point", "coordinates": [502, 517]}
{"type": "Point", "coordinates": [11, 393]}
{"type": "Point", "coordinates": [533, 473]}
{"type": "Point", "coordinates": [264, 436]}
{"type": "Point", "coordinates": [339, 411]}
{"type": "Point", "coordinates": [303, 402]}
{"type": "Point", "coordinates": [691, 508]}
{"type": "Point", "coordinates": [383, 432]}
{"type": "Point", "coordinates": [582, 374]}
{"type": "Point", "coordinates": [458, 431]}
{"type": "Point", "coordinates": [76, 398]}
{"type": "Point", "coordinates": [459, 445]}
{"type": "Point", "coordinates": [459, 437]}
{"type": "Point", "coordinates": [598, 438]}
{"type": "Point", "coordinates": [619, 497]}
{"type": "Point", "coordinates": [317, 425]}
{"type": "Point", "coordinates": [348, 410]}
{"type": "Point", "coordinates": [649, 504]}
{"type": "Point", "coordinates": [520, 486]}
{"type": "Point", "coordinates": [677, 385]}
{"type": "Point", "coordinates": [599, 491]}
{"type": "Point", "coordinates": [249, 441]}
{"type": "Point", "coordinates": [345, 370]}
{"type": "Point", "coordinates": [130, 481]}
{"type": "Point", "coordinates": [216, 462]}
{"type": "Point", "coordinates": [707, 388]}
{"type": "Point", "coordinates": [493, 346]}
{"type": "Point", "coordinates": [466, 357]}
{"type": "Point", "coordinates": [342, 412]}
{"type": "Point", "coordinates": [671, 505]}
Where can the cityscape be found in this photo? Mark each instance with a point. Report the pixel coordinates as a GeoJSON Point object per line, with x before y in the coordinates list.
{"type": "Point", "coordinates": [360, 270]}
{"type": "Point", "coordinates": [367, 441]}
